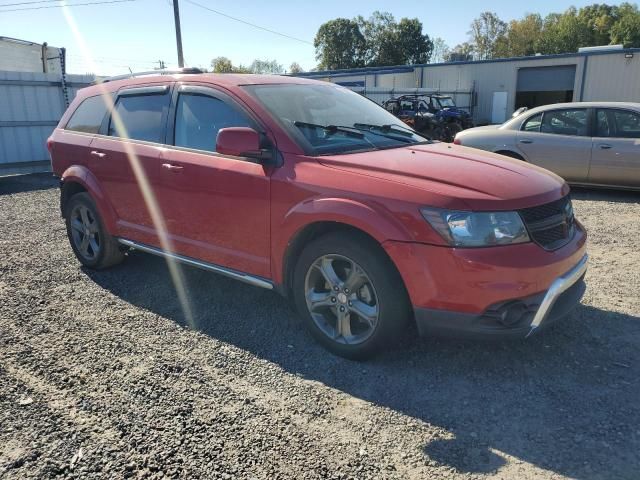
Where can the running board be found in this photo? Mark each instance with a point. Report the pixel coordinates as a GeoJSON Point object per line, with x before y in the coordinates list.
{"type": "Point", "coordinates": [243, 277]}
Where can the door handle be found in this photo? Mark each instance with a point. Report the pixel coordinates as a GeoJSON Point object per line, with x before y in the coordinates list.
{"type": "Point", "coordinates": [526, 140]}
{"type": "Point", "coordinates": [172, 168]}
{"type": "Point", "coordinates": [95, 153]}
{"type": "Point", "coordinates": [605, 146]}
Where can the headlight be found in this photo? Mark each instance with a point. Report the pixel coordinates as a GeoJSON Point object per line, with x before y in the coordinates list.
{"type": "Point", "coordinates": [477, 229]}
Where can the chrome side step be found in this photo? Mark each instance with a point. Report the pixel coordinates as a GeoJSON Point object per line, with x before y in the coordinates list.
{"type": "Point", "coordinates": [243, 277]}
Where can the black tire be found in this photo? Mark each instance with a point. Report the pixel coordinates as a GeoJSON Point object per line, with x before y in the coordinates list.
{"type": "Point", "coordinates": [104, 251]}
{"type": "Point", "coordinates": [391, 299]}
{"type": "Point", "coordinates": [453, 128]}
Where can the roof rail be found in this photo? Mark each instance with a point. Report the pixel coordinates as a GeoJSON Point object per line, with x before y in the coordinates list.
{"type": "Point", "coordinates": [190, 70]}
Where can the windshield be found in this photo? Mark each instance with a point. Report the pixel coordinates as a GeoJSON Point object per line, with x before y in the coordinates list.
{"type": "Point", "coordinates": [326, 119]}
{"type": "Point", "coordinates": [446, 102]}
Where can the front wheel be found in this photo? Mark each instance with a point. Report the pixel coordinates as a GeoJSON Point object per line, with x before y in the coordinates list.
{"type": "Point", "coordinates": [350, 295]}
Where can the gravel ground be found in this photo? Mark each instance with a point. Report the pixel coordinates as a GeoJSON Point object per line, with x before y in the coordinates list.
{"type": "Point", "coordinates": [101, 376]}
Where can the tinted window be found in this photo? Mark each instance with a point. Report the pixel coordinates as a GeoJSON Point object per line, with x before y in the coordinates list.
{"type": "Point", "coordinates": [88, 116]}
{"type": "Point", "coordinates": [619, 123]}
{"type": "Point", "coordinates": [199, 119]}
{"type": "Point", "coordinates": [142, 116]}
{"type": "Point", "coordinates": [565, 122]}
{"type": "Point", "coordinates": [533, 124]}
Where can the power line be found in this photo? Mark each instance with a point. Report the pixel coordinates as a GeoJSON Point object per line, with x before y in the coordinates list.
{"type": "Point", "coordinates": [66, 5]}
{"type": "Point", "coordinates": [28, 3]}
{"type": "Point", "coordinates": [248, 23]}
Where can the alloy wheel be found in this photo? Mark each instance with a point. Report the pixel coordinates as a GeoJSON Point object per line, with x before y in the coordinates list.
{"type": "Point", "coordinates": [85, 232]}
{"type": "Point", "coordinates": [341, 299]}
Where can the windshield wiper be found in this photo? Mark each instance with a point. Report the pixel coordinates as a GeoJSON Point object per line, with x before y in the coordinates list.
{"type": "Point", "coordinates": [390, 127]}
{"type": "Point", "coordinates": [331, 129]}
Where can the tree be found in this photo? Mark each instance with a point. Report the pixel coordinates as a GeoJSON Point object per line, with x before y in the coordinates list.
{"type": "Point", "coordinates": [599, 19]}
{"type": "Point", "coordinates": [564, 32]}
{"type": "Point", "coordinates": [339, 44]}
{"type": "Point", "coordinates": [626, 30]}
{"type": "Point", "coordinates": [415, 47]}
{"type": "Point", "coordinates": [522, 37]}
{"type": "Point", "coordinates": [440, 50]}
{"type": "Point", "coordinates": [221, 65]}
{"type": "Point", "coordinates": [485, 32]}
{"type": "Point", "coordinates": [295, 68]}
{"type": "Point", "coordinates": [376, 41]}
{"type": "Point", "coordinates": [266, 66]}
{"type": "Point", "coordinates": [460, 53]}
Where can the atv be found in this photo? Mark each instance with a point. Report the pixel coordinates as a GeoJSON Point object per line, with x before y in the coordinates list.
{"type": "Point", "coordinates": [419, 110]}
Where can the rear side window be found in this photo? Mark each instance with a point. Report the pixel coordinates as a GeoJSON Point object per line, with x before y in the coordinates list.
{"type": "Point", "coordinates": [533, 124]}
{"type": "Point", "coordinates": [199, 118]}
{"type": "Point", "coordinates": [143, 116]}
{"type": "Point", "coordinates": [88, 116]}
{"type": "Point", "coordinates": [618, 123]}
{"type": "Point", "coordinates": [565, 122]}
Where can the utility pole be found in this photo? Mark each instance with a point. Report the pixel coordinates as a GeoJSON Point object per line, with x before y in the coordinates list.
{"type": "Point", "coordinates": [176, 17]}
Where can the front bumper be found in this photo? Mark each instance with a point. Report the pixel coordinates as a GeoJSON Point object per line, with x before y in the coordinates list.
{"type": "Point", "coordinates": [507, 290]}
{"type": "Point", "coordinates": [513, 318]}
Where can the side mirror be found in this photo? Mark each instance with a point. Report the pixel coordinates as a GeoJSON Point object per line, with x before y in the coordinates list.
{"type": "Point", "coordinates": [241, 142]}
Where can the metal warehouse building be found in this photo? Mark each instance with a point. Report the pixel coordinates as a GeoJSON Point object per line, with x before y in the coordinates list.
{"type": "Point", "coordinates": [493, 89]}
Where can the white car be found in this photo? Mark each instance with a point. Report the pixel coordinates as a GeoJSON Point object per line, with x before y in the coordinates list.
{"type": "Point", "coordinates": [586, 143]}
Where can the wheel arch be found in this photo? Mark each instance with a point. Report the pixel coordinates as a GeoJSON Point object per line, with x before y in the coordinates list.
{"type": "Point", "coordinates": [78, 179]}
{"type": "Point", "coordinates": [510, 154]}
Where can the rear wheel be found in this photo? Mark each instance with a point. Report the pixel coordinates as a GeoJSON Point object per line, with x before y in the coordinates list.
{"type": "Point", "coordinates": [350, 295]}
{"type": "Point", "coordinates": [89, 239]}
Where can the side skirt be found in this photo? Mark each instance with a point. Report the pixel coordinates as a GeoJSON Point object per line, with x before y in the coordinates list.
{"type": "Point", "coordinates": [243, 277]}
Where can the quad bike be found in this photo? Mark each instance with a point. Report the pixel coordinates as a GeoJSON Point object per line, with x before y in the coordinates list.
{"type": "Point", "coordinates": [434, 116]}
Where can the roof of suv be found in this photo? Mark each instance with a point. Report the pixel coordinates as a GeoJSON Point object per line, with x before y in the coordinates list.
{"type": "Point", "coordinates": [225, 79]}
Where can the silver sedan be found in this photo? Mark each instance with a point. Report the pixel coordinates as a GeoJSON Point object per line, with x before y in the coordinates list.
{"type": "Point", "coordinates": [587, 143]}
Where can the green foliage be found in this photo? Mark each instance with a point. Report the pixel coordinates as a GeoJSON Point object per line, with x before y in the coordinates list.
{"type": "Point", "coordinates": [339, 44]}
{"type": "Point", "coordinates": [295, 68]}
{"type": "Point", "coordinates": [484, 34]}
{"type": "Point", "coordinates": [266, 66]}
{"type": "Point", "coordinates": [593, 25]}
{"type": "Point", "coordinates": [376, 41]}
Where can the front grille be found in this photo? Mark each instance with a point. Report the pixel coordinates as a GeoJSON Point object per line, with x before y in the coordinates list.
{"type": "Point", "coordinates": [550, 225]}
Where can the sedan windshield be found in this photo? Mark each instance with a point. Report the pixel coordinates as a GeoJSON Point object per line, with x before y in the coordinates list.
{"type": "Point", "coordinates": [328, 119]}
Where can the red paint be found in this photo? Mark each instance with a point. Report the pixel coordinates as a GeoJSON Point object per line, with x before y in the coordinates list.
{"type": "Point", "coordinates": [243, 215]}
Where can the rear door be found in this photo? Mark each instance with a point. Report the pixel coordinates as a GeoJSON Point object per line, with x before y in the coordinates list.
{"type": "Point", "coordinates": [615, 158]}
{"type": "Point", "coordinates": [560, 141]}
{"type": "Point", "coordinates": [126, 159]}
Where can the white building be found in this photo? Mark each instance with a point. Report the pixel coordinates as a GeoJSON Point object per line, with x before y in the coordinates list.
{"type": "Point", "coordinates": [493, 89]}
{"type": "Point", "coordinates": [23, 56]}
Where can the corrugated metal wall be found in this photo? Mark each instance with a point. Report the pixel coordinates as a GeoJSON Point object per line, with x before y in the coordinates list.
{"type": "Point", "coordinates": [31, 104]}
{"type": "Point", "coordinates": [612, 78]}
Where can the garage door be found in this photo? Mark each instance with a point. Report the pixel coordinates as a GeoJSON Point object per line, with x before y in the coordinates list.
{"type": "Point", "coordinates": [544, 85]}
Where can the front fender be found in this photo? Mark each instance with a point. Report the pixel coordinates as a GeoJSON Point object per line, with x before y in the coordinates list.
{"type": "Point", "coordinates": [83, 176]}
{"type": "Point", "coordinates": [375, 220]}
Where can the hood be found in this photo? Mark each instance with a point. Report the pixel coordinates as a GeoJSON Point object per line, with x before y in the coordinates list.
{"type": "Point", "coordinates": [456, 177]}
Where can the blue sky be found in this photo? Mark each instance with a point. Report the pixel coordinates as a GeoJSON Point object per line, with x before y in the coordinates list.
{"type": "Point", "coordinates": [138, 33]}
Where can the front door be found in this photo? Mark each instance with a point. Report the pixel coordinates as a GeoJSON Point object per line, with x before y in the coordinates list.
{"type": "Point", "coordinates": [558, 140]}
{"type": "Point", "coordinates": [616, 148]}
{"type": "Point", "coordinates": [217, 207]}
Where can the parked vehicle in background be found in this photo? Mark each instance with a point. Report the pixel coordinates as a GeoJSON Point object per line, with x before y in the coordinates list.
{"type": "Point", "coordinates": [433, 115]}
{"type": "Point", "coordinates": [310, 189]}
{"type": "Point", "coordinates": [586, 143]}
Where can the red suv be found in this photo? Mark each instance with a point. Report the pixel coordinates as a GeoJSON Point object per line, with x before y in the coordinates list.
{"type": "Point", "coordinates": [310, 189]}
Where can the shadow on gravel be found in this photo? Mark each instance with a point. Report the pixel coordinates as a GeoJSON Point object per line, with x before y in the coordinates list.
{"type": "Point", "coordinates": [565, 401]}
{"type": "Point", "coordinates": [604, 195]}
{"type": "Point", "coordinates": [27, 183]}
